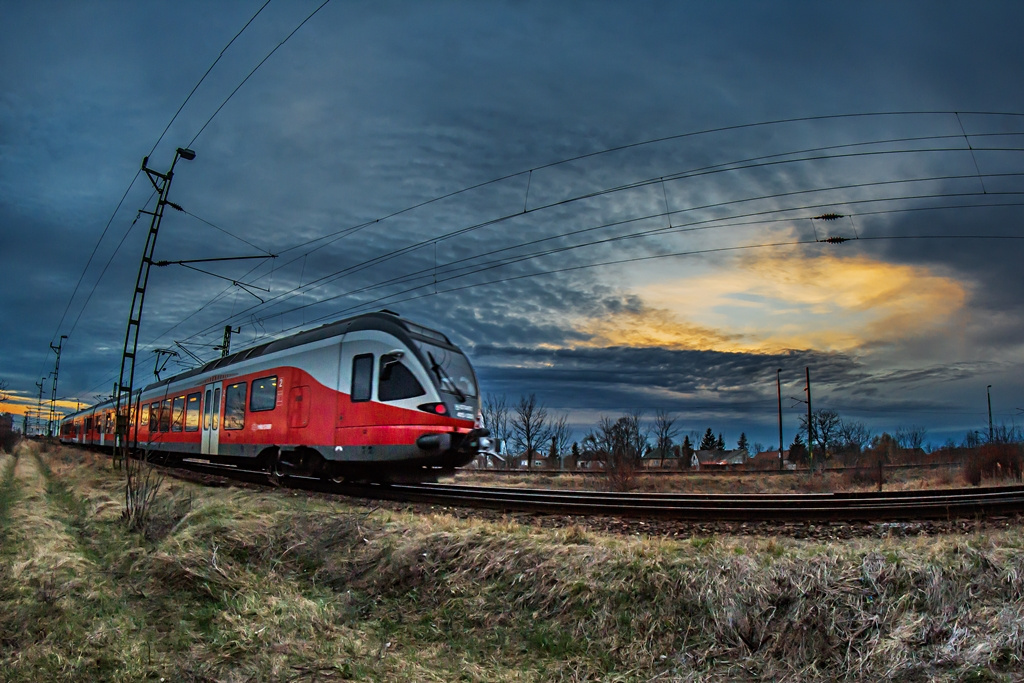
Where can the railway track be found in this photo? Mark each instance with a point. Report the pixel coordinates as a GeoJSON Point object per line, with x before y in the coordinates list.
{"type": "Point", "coordinates": [937, 504]}
{"type": "Point", "coordinates": [830, 507]}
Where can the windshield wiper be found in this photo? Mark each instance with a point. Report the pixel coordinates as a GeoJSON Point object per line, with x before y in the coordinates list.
{"type": "Point", "coordinates": [443, 376]}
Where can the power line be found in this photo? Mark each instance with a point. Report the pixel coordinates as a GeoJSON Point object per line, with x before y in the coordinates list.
{"type": "Point", "coordinates": [694, 225]}
{"type": "Point", "coordinates": [729, 166]}
{"type": "Point", "coordinates": [255, 69]}
{"type": "Point", "coordinates": [682, 175]}
{"type": "Point", "coordinates": [131, 184]}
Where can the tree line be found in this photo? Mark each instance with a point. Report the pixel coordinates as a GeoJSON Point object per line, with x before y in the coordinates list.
{"type": "Point", "coordinates": [531, 431]}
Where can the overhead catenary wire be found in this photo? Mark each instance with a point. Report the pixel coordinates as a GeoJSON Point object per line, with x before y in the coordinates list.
{"type": "Point", "coordinates": [731, 166]}
{"type": "Point", "coordinates": [726, 166]}
{"type": "Point", "coordinates": [756, 162]}
{"type": "Point", "coordinates": [131, 184]}
{"type": "Point", "coordinates": [696, 225]}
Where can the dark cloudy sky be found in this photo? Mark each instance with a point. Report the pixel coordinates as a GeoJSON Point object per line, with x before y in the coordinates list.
{"type": "Point", "coordinates": [607, 204]}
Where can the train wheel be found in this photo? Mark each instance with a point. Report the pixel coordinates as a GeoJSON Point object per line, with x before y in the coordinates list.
{"type": "Point", "coordinates": [276, 468]}
{"type": "Point", "coordinates": [280, 467]}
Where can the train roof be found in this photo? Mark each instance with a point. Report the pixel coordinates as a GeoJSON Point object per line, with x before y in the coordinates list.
{"type": "Point", "coordinates": [379, 320]}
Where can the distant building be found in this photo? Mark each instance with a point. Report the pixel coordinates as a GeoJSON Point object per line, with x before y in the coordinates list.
{"type": "Point", "coordinates": [718, 460]}
{"type": "Point", "coordinates": [769, 460]}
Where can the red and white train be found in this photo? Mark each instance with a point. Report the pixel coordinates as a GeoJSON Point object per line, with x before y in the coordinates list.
{"type": "Point", "coordinates": [372, 397]}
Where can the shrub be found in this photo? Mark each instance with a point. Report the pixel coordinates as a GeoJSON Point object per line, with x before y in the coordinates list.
{"type": "Point", "coordinates": [862, 475]}
{"type": "Point", "coordinates": [993, 461]}
{"type": "Point", "coordinates": [8, 440]}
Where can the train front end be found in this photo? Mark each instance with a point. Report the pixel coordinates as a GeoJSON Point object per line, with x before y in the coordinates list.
{"type": "Point", "coordinates": [456, 387]}
{"type": "Point", "coordinates": [409, 402]}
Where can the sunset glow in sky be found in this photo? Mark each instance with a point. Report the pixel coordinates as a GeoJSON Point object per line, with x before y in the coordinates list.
{"type": "Point", "coordinates": [614, 206]}
{"type": "Point", "coordinates": [762, 305]}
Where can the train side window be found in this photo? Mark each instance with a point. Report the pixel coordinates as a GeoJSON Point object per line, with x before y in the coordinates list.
{"type": "Point", "coordinates": [234, 406]}
{"type": "Point", "coordinates": [192, 413]}
{"type": "Point", "coordinates": [362, 378]}
{"type": "Point", "coordinates": [165, 415]}
{"type": "Point", "coordinates": [178, 414]}
{"type": "Point", "coordinates": [144, 416]}
{"type": "Point", "coordinates": [396, 381]}
{"type": "Point", "coordinates": [264, 394]}
{"type": "Point", "coordinates": [207, 410]}
{"type": "Point", "coordinates": [154, 416]}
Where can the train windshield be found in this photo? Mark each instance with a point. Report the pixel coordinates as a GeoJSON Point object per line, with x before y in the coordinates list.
{"type": "Point", "coordinates": [452, 370]}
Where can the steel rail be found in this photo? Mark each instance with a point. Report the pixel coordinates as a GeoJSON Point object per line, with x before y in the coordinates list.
{"type": "Point", "coordinates": [945, 504]}
{"type": "Point", "coordinates": [939, 504]}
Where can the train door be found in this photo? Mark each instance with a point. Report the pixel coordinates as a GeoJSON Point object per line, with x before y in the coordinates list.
{"type": "Point", "coordinates": [355, 393]}
{"type": "Point", "coordinates": [211, 418]}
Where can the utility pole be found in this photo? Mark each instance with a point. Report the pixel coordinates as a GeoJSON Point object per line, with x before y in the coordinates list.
{"type": "Point", "coordinates": [39, 406]}
{"type": "Point", "coordinates": [53, 392]}
{"type": "Point", "coordinates": [988, 392]}
{"type": "Point", "coordinates": [123, 388]}
{"type": "Point", "coordinates": [778, 386]}
{"type": "Point", "coordinates": [810, 424]}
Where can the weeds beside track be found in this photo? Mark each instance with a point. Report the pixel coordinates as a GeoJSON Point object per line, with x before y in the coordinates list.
{"type": "Point", "coordinates": [277, 585]}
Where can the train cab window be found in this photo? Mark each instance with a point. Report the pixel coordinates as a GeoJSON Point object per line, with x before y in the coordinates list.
{"type": "Point", "coordinates": [362, 378]}
{"type": "Point", "coordinates": [192, 413]}
{"type": "Point", "coordinates": [165, 415]}
{"type": "Point", "coordinates": [234, 406]}
{"type": "Point", "coordinates": [395, 381]}
{"type": "Point", "coordinates": [264, 394]}
{"type": "Point", "coordinates": [178, 414]}
{"type": "Point", "coordinates": [144, 416]}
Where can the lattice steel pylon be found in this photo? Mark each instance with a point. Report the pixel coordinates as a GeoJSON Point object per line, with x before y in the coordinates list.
{"type": "Point", "coordinates": [123, 395]}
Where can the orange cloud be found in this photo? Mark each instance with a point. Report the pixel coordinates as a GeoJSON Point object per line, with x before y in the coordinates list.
{"type": "Point", "coordinates": [765, 304]}
{"type": "Point", "coordinates": [20, 405]}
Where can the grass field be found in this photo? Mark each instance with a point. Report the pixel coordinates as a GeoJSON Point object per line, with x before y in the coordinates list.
{"type": "Point", "coordinates": [229, 584]}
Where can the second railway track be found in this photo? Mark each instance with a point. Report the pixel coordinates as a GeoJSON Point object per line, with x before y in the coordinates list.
{"type": "Point", "coordinates": [931, 504]}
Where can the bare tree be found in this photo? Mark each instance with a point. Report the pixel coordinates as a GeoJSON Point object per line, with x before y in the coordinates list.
{"type": "Point", "coordinates": [825, 424]}
{"type": "Point", "coordinates": [560, 435]}
{"type": "Point", "coordinates": [910, 438]}
{"type": "Point", "coordinates": [665, 433]}
{"type": "Point", "coordinates": [4, 394]}
{"type": "Point", "coordinates": [530, 427]}
{"type": "Point", "coordinates": [853, 435]}
{"type": "Point", "coordinates": [627, 439]}
{"type": "Point", "coordinates": [496, 418]}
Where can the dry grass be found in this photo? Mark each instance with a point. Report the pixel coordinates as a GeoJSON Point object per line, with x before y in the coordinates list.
{"type": "Point", "coordinates": [267, 586]}
{"type": "Point", "coordinates": [743, 482]}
